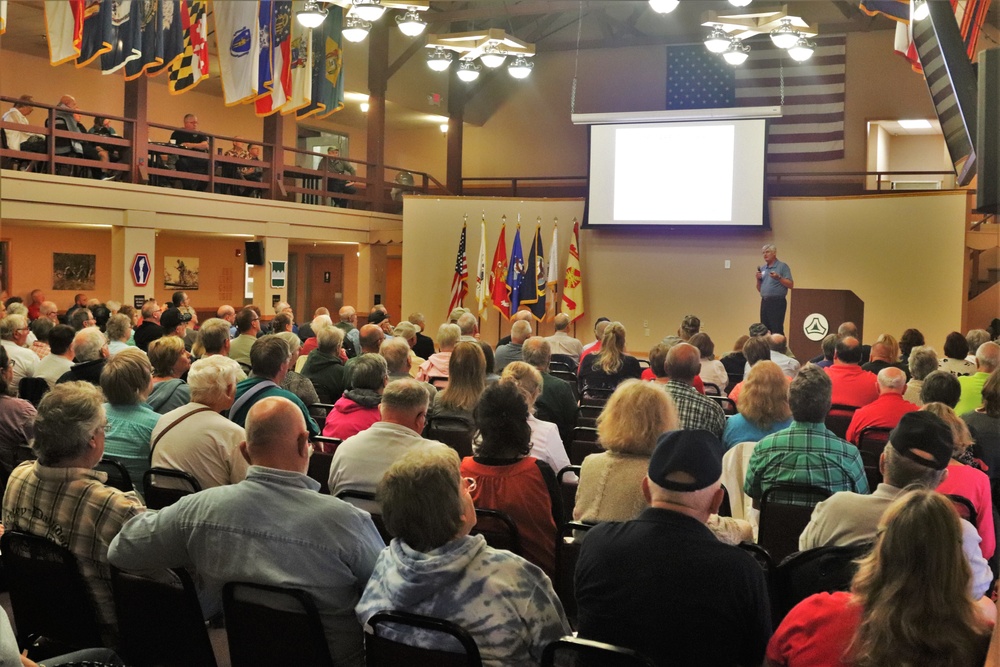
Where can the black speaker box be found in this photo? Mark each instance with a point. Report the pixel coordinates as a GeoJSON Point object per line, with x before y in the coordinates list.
{"type": "Point", "coordinates": [255, 253]}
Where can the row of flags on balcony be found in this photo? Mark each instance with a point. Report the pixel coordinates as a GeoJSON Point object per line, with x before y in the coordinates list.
{"type": "Point", "coordinates": [265, 56]}
{"type": "Point", "coordinates": [507, 285]}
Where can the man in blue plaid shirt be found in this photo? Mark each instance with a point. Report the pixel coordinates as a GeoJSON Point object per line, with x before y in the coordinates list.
{"type": "Point", "coordinates": [806, 452]}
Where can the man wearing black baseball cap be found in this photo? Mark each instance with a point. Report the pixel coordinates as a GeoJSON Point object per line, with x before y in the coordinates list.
{"type": "Point", "coordinates": [662, 584]}
{"type": "Point", "coordinates": [917, 455]}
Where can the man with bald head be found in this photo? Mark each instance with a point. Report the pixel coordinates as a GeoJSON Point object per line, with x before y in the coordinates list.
{"type": "Point", "coordinates": [520, 331]}
{"type": "Point", "coordinates": [523, 315]}
{"type": "Point", "coordinates": [556, 403]}
{"type": "Point", "coordinates": [888, 408]}
{"type": "Point", "coordinates": [987, 362]}
{"type": "Point", "coordinates": [561, 342]}
{"type": "Point", "coordinates": [298, 537]}
{"type": "Point", "coordinates": [370, 336]}
{"type": "Point", "coordinates": [852, 385]}
{"type": "Point", "coordinates": [66, 118]}
{"type": "Point", "coordinates": [694, 410]}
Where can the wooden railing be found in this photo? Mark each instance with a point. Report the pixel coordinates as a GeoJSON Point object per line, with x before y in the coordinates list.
{"type": "Point", "coordinates": [155, 163]}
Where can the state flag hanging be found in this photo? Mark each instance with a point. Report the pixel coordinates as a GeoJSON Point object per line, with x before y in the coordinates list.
{"type": "Point", "coordinates": [191, 67]}
{"type": "Point", "coordinates": [482, 281]}
{"type": "Point", "coordinates": [572, 297]}
{"type": "Point", "coordinates": [171, 35]}
{"type": "Point", "coordinates": [97, 31]}
{"type": "Point", "coordinates": [276, 91]}
{"type": "Point", "coordinates": [237, 38]}
{"type": "Point", "coordinates": [151, 19]}
{"type": "Point", "coordinates": [499, 293]}
{"type": "Point", "coordinates": [64, 29]}
{"type": "Point", "coordinates": [300, 65]}
{"type": "Point", "coordinates": [515, 272]}
{"type": "Point", "coordinates": [327, 67]}
{"type": "Point", "coordinates": [460, 281]}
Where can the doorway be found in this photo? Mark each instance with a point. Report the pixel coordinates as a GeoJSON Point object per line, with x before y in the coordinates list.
{"type": "Point", "coordinates": [325, 284]}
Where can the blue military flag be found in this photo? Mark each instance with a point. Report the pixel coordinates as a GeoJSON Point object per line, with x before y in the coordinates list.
{"type": "Point", "coordinates": [515, 272]}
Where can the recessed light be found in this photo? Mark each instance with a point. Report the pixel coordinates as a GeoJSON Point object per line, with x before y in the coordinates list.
{"type": "Point", "coordinates": [915, 124]}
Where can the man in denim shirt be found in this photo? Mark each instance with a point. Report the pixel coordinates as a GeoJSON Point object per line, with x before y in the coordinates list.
{"type": "Point", "coordinates": [272, 528]}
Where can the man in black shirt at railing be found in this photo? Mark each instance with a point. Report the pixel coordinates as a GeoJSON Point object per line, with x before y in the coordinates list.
{"type": "Point", "coordinates": [190, 139]}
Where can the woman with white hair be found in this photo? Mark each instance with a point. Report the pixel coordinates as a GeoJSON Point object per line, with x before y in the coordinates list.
{"type": "Point", "coordinates": [434, 567]}
{"type": "Point", "coordinates": [196, 438]}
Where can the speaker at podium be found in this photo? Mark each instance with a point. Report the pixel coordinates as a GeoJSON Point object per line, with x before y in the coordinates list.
{"type": "Point", "coordinates": [816, 313]}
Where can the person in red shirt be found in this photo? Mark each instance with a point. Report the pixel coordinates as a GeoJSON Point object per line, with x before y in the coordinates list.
{"type": "Point", "coordinates": [851, 385]}
{"type": "Point", "coordinates": [887, 410]}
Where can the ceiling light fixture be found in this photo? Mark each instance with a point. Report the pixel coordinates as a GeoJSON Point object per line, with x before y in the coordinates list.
{"type": "Point", "coordinates": [439, 59]}
{"type": "Point", "coordinates": [364, 107]}
{"type": "Point", "coordinates": [717, 41]}
{"type": "Point", "coordinates": [802, 50]}
{"type": "Point", "coordinates": [921, 10]}
{"type": "Point", "coordinates": [444, 128]}
{"type": "Point", "coordinates": [468, 71]}
{"type": "Point", "coordinates": [492, 56]}
{"type": "Point", "coordinates": [311, 15]}
{"type": "Point", "coordinates": [410, 23]}
{"type": "Point", "coordinates": [915, 124]}
{"type": "Point", "coordinates": [356, 29]}
{"type": "Point", "coordinates": [520, 68]}
{"type": "Point", "coordinates": [785, 36]}
{"type": "Point", "coordinates": [664, 6]}
{"type": "Point", "coordinates": [740, 3]}
{"type": "Point", "coordinates": [737, 53]}
{"type": "Point", "coordinates": [368, 10]}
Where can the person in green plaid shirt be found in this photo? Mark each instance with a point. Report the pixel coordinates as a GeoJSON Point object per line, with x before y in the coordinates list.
{"type": "Point", "coordinates": [806, 452]}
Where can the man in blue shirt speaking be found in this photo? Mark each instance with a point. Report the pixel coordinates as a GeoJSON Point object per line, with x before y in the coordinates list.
{"type": "Point", "coordinates": [774, 279]}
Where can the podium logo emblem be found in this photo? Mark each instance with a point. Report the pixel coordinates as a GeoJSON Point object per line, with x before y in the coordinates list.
{"type": "Point", "coordinates": [815, 327]}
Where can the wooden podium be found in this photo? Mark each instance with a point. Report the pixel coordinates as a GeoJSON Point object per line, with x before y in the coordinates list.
{"type": "Point", "coordinates": [836, 305]}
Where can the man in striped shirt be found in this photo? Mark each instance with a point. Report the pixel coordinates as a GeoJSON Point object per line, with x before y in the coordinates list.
{"type": "Point", "coordinates": [806, 452]}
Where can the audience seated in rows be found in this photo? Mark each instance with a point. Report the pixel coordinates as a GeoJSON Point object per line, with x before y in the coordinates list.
{"type": "Point", "coordinates": [763, 407]}
{"type": "Point", "coordinates": [851, 385]}
{"type": "Point", "coordinates": [556, 403]}
{"type": "Point", "coordinates": [604, 370]}
{"type": "Point", "coordinates": [917, 456]}
{"type": "Point", "coordinates": [436, 365]}
{"type": "Point", "coordinates": [435, 568]}
{"type": "Point", "coordinates": [561, 342]}
{"type": "Point", "coordinates": [546, 444]}
{"type": "Point", "coordinates": [806, 452]}
{"type": "Point", "coordinates": [195, 437]}
{"type": "Point", "coordinates": [324, 366]}
{"type": "Point", "coordinates": [509, 479]}
{"type": "Point", "coordinates": [778, 353]}
{"type": "Point", "coordinates": [987, 361]}
{"type": "Point", "coordinates": [922, 361]}
{"type": "Point", "coordinates": [693, 410]}
{"type": "Point", "coordinates": [887, 409]}
{"type": "Point", "coordinates": [357, 409]}
{"type": "Point", "coordinates": [662, 584]}
{"type": "Point", "coordinates": [61, 498]}
{"type": "Point", "coordinates": [170, 362]}
{"type": "Point", "coordinates": [292, 535]}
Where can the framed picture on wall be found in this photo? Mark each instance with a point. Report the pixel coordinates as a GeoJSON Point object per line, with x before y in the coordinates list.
{"type": "Point", "coordinates": [180, 273]}
{"type": "Point", "coordinates": [5, 267]}
{"type": "Point", "coordinates": [71, 271]}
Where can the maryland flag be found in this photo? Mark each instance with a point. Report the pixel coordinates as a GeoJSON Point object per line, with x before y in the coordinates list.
{"type": "Point", "coordinates": [191, 67]}
{"type": "Point", "coordinates": [572, 297]}
{"type": "Point", "coordinates": [498, 276]}
{"type": "Point", "coordinates": [64, 29]}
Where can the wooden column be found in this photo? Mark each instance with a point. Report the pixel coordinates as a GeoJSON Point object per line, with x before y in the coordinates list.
{"type": "Point", "coordinates": [274, 155]}
{"type": "Point", "coordinates": [378, 78]}
{"type": "Point", "coordinates": [136, 98]}
{"type": "Point", "coordinates": [457, 96]}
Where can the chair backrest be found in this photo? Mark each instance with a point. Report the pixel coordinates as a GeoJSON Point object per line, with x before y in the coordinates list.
{"type": "Point", "coordinates": [159, 495]}
{"type": "Point", "coordinates": [821, 570]}
{"type": "Point", "coordinates": [498, 528]}
{"type": "Point", "coordinates": [560, 365]}
{"type": "Point", "coordinates": [726, 508]}
{"type": "Point", "coordinates": [873, 439]}
{"type": "Point", "coordinates": [588, 414]}
{"type": "Point", "coordinates": [322, 443]}
{"type": "Point", "coordinates": [118, 476]}
{"type": "Point", "coordinates": [570, 378]}
{"type": "Point", "coordinates": [575, 651]}
{"type": "Point", "coordinates": [712, 389]}
{"type": "Point", "coordinates": [47, 592]}
{"type": "Point", "coordinates": [568, 543]}
{"type": "Point", "coordinates": [32, 389]}
{"type": "Point", "coordinates": [570, 361]}
{"type": "Point", "coordinates": [567, 488]}
{"type": "Point", "coordinates": [160, 619]}
{"type": "Point", "coordinates": [381, 651]}
{"type": "Point", "coordinates": [965, 508]}
{"type": "Point", "coordinates": [785, 510]}
{"type": "Point", "coordinates": [727, 404]}
{"type": "Point", "coordinates": [370, 505]}
{"type": "Point", "coordinates": [269, 625]}
{"type": "Point", "coordinates": [319, 469]}
{"type": "Point", "coordinates": [439, 381]}
{"type": "Point", "coordinates": [453, 432]}
{"type": "Point", "coordinates": [838, 420]}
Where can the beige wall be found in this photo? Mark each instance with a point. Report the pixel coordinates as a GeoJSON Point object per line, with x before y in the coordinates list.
{"type": "Point", "coordinates": [220, 269]}
{"type": "Point", "coordinates": [656, 277]}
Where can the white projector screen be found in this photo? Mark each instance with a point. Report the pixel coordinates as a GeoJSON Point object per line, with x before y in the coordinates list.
{"type": "Point", "coordinates": [679, 173]}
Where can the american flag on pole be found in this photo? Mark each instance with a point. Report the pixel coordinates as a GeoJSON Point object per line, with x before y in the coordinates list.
{"type": "Point", "coordinates": [460, 282]}
{"type": "Point", "coordinates": [811, 94]}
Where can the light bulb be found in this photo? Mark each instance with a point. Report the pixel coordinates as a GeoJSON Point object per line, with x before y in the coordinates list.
{"type": "Point", "coordinates": [364, 107]}
{"type": "Point", "coordinates": [740, 3]}
{"type": "Point", "coordinates": [785, 37]}
{"type": "Point", "coordinates": [467, 71]}
{"type": "Point", "coordinates": [439, 60]}
{"type": "Point", "coordinates": [802, 50]}
{"type": "Point", "coordinates": [444, 128]}
{"type": "Point", "coordinates": [356, 29]}
{"type": "Point", "coordinates": [368, 10]}
{"type": "Point", "coordinates": [311, 15]}
{"type": "Point", "coordinates": [921, 10]}
{"type": "Point", "coordinates": [737, 53]}
{"type": "Point", "coordinates": [410, 23]}
{"type": "Point", "coordinates": [664, 6]}
{"type": "Point", "coordinates": [717, 41]}
{"type": "Point", "coordinates": [492, 57]}
{"type": "Point", "coordinates": [520, 68]}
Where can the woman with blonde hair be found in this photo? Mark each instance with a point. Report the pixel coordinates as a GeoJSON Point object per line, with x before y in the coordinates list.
{"type": "Point", "coordinates": [546, 445]}
{"type": "Point", "coordinates": [965, 480]}
{"type": "Point", "coordinates": [604, 371]}
{"type": "Point", "coordinates": [170, 363]}
{"type": "Point", "coordinates": [909, 603]}
{"type": "Point", "coordinates": [466, 382]}
{"type": "Point", "coordinates": [763, 407]}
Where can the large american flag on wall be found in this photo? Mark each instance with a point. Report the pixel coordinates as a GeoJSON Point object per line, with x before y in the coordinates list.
{"type": "Point", "coordinates": [812, 125]}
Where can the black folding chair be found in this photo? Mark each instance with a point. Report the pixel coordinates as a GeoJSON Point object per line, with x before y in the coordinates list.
{"type": "Point", "coordinates": [319, 469]}
{"type": "Point", "coordinates": [160, 620]}
{"type": "Point", "coordinates": [568, 360]}
{"type": "Point", "coordinates": [712, 389]}
{"type": "Point", "coordinates": [162, 487]}
{"type": "Point", "coordinates": [270, 625]}
{"type": "Point", "coordinates": [727, 404]}
{"type": "Point", "coordinates": [575, 651]}
{"type": "Point", "coordinates": [369, 504]}
{"type": "Point", "coordinates": [568, 377]}
{"type": "Point", "coordinates": [785, 510]}
{"type": "Point", "coordinates": [588, 414]}
{"type": "Point", "coordinates": [584, 443]}
{"type": "Point", "coordinates": [838, 420]}
{"type": "Point", "coordinates": [117, 473]}
{"type": "Point", "coordinates": [498, 528]}
{"type": "Point", "coordinates": [380, 651]}
{"type": "Point", "coordinates": [567, 553]}
{"type": "Point", "coordinates": [452, 431]}
{"type": "Point", "coordinates": [568, 488]}
{"type": "Point", "coordinates": [47, 592]}
{"type": "Point", "coordinates": [32, 389]}
{"type": "Point", "coordinates": [965, 508]}
{"type": "Point", "coordinates": [821, 570]}
{"type": "Point", "coordinates": [324, 444]}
